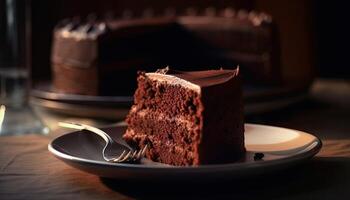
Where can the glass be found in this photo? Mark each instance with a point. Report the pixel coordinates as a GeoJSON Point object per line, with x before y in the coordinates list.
{"type": "Point", "coordinates": [16, 117]}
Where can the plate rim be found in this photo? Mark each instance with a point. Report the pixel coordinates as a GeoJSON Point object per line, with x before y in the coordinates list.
{"type": "Point", "coordinates": [270, 92]}
{"type": "Point", "coordinates": [315, 148]}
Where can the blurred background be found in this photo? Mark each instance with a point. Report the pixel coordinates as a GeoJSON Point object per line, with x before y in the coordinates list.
{"type": "Point", "coordinates": [292, 56]}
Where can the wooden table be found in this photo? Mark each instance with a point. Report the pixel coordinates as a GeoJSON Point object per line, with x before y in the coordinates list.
{"type": "Point", "coordinates": [28, 171]}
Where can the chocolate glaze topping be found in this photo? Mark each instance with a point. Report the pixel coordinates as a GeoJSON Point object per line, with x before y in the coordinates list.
{"type": "Point", "coordinates": [202, 78]}
{"type": "Point", "coordinates": [79, 25]}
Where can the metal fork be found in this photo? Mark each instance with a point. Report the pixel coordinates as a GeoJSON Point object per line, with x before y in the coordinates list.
{"type": "Point", "coordinates": [109, 150]}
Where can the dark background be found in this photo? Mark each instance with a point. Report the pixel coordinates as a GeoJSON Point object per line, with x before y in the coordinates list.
{"type": "Point", "coordinates": [46, 14]}
{"type": "Point", "coordinates": [332, 38]}
{"type": "Point", "coordinates": [319, 25]}
{"type": "Point", "coordinates": [314, 34]}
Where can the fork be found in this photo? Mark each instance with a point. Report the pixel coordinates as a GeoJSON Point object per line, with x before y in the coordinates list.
{"type": "Point", "coordinates": [127, 154]}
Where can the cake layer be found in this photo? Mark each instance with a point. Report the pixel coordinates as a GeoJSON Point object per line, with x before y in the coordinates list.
{"type": "Point", "coordinates": [177, 129]}
{"type": "Point", "coordinates": [161, 150]}
{"type": "Point", "coordinates": [65, 79]}
{"type": "Point", "coordinates": [172, 139]}
{"type": "Point", "coordinates": [168, 99]}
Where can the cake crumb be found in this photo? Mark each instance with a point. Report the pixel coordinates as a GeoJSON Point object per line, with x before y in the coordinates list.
{"type": "Point", "coordinates": [258, 156]}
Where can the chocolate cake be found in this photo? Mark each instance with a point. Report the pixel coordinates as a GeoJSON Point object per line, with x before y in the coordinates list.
{"type": "Point", "coordinates": [93, 57]}
{"type": "Point", "coordinates": [188, 118]}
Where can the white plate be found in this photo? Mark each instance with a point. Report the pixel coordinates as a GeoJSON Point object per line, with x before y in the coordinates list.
{"type": "Point", "coordinates": [282, 147]}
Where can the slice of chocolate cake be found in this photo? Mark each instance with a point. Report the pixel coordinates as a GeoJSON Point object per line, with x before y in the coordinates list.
{"type": "Point", "coordinates": [188, 118]}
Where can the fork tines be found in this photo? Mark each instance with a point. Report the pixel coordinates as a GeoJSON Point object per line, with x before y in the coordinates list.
{"type": "Point", "coordinates": [131, 155]}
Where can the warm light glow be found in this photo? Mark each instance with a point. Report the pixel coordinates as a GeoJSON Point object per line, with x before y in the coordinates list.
{"type": "Point", "coordinates": [2, 115]}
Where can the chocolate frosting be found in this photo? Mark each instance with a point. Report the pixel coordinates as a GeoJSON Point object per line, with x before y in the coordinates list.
{"type": "Point", "coordinates": [202, 78]}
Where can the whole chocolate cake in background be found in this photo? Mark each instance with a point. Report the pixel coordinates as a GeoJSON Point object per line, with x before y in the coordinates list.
{"type": "Point", "coordinates": [188, 118]}
{"type": "Point", "coordinates": [101, 56]}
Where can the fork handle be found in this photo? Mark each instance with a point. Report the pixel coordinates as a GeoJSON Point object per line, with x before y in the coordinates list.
{"type": "Point", "coordinates": [99, 132]}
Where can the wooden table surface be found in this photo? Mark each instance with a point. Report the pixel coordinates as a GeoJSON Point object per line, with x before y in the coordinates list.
{"type": "Point", "coordinates": [28, 171]}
